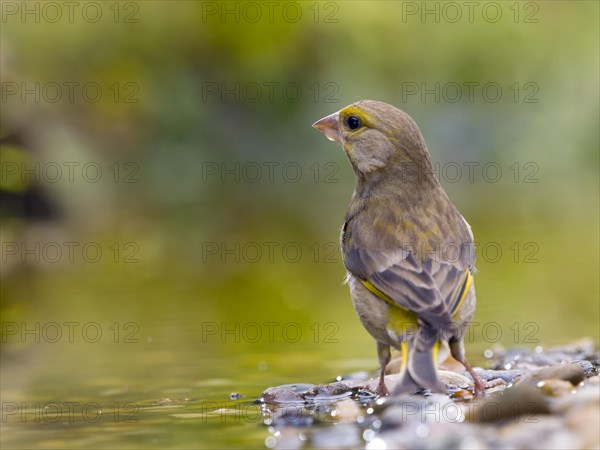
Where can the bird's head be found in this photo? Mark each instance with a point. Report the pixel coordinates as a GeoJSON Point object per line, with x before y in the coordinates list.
{"type": "Point", "coordinates": [375, 136]}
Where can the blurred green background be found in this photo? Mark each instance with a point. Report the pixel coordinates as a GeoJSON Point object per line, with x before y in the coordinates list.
{"type": "Point", "coordinates": [181, 132]}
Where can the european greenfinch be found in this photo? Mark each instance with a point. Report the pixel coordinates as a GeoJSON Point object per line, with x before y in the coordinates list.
{"type": "Point", "coordinates": [408, 252]}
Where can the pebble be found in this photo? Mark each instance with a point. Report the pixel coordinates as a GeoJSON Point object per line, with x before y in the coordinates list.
{"type": "Point", "coordinates": [555, 388]}
{"type": "Point", "coordinates": [546, 398]}
{"type": "Point", "coordinates": [281, 394]}
{"type": "Point", "coordinates": [536, 432]}
{"type": "Point", "coordinates": [508, 376]}
{"type": "Point", "coordinates": [327, 391]}
{"type": "Point", "coordinates": [348, 411]}
{"type": "Point", "coordinates": [580, 421]}
{"type": "Point", "coordinates": [455, 379]}
{"type": "Point", "coordinates": [520, 400]}
{"type": "Point", "coordinates": [571, 372]}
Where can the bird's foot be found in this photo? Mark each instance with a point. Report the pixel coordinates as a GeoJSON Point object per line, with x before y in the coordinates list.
{"type": "Point", "coordinates": [382, 389]}
{"type": "Point", "coordinates": [479, 386]}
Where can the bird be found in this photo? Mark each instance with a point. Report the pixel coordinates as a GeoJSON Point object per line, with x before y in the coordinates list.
{"type": "Point", "coordinates": [408, 252]}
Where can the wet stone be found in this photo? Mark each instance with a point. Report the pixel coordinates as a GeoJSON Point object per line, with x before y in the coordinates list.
{"type": "Point", "coordinates": [328, 390]}
{"type": "Point", "coordinates": [571, 372]}
{"type": "Point", "coordinates": [583, 422]}
{"type": "Point", "coordinates": [536, 398]}
{"type": "Point", "coordinates": [280, 394]}
{"type": "Point", "coordinates": [520, 400]}
{"type": "Point", "coordinates": [527, 359]}
{"type": "Point", "coordinates": [588, 368]}
{"type": "Point", "coordinates": [555, 388]}
{"type": "Point", "coordinates": [348, 411]}
{"type": "Point", "coordinates": [536, 432]}
{"type": "Point", "coordinates": [509, 376]}
{"type": "Point", "coordinates": [454, 379]}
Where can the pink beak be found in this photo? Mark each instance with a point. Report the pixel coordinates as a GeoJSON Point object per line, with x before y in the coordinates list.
{"type": "Point", "coordinates": [329, 126]}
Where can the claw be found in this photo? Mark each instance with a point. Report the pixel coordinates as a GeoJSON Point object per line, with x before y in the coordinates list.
{"type": "Point", "coordinates": [382, 389]}
{"type": "Point", "coordinates": [479, 386]}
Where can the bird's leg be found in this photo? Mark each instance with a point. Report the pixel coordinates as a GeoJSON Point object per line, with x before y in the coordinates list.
{"type": "Point", "coordinates": [384, 355]}
{"type": "Point", "coordinates": [457, 350]}
{"type": "Point", "coordinates": [478, 384]}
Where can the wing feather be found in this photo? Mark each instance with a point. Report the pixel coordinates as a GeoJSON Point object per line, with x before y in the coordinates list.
{"type": "Point", "coordinates": [429, 288]}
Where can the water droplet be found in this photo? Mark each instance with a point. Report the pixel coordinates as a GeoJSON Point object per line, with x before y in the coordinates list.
{"type": "Point", "coordinates": [422, 431]}
{"type": "Point", "coordinates": [377, 444]}
{"type": "Point", "coordinates": [368, 435]}
{"type": "Point", "coordinates": [488, 353]}
{"type": "Point", "coordinates": [271, 441]}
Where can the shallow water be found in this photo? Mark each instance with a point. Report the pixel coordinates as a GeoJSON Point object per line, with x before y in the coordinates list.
{"type": "Point", "coordinates": [126, 402]}
{"type": "Point", "coordinates": [147, 355]}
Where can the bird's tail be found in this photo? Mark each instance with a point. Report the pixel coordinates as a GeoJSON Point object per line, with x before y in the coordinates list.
{"type": "Point", "coordinates": [419, 365]}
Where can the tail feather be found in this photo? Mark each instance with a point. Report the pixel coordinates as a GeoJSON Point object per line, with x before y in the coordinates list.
{"type": "Point", "coordinates": [420, 369]}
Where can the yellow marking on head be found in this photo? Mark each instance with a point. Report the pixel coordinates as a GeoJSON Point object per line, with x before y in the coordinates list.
{"type": "Point", "coordinates": [366, 118]}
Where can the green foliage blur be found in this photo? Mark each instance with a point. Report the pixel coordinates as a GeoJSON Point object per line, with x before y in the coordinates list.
{"type": "Point", "coordinates": [212, 179]}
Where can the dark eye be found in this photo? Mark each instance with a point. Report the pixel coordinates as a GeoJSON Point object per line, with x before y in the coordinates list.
{"type": "Point", "coordinates": [353, 122]}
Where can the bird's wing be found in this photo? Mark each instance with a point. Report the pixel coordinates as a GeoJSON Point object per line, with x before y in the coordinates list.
{"type": "Point", "coordinates": [430, 289]}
